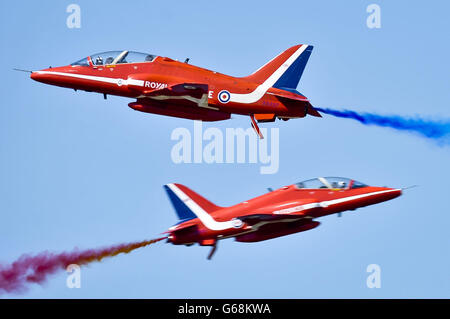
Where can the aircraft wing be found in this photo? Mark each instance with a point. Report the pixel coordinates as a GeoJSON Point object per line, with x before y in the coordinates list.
{"type": "Point", "coordinates": [270, 218]}
{"type": "Point", "coordinates": [193, 92]}
{"type": "Point", "coordinates": [192, 89]}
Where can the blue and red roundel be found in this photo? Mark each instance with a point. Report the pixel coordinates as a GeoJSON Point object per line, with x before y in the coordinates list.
{"type": "Point", "coordinates": [224, 96]}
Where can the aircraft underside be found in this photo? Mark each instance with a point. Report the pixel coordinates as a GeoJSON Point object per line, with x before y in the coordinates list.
{"type": "Point", "coordinates": [178, 110]}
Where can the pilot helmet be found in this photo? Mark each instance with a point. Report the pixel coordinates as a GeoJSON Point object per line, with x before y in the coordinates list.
{"type": "Point", "coordinates": [99, 60]}
{"type": "Point", "coordinates": [341, 184]}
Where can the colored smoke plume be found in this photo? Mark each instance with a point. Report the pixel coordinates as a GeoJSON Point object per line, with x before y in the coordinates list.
{"type": "Point", "coordinates": [35, 269]}
{"type": "Point", "coordinates": [438, 131]}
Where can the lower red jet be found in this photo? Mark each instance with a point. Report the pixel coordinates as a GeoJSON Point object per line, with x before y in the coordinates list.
{"type": "Point", "coordinates": [288, 210]}
{"type": "Point", "coordinates": [164, 86]}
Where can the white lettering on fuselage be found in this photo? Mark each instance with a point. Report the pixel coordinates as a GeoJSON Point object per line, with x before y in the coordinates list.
{"type": "Point", "coordinates": [155, 85]}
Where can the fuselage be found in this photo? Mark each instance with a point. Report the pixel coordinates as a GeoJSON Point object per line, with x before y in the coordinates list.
{"type": "Point", "coordinates": [280, 212]}
{"type": "Point", "coordinates": [205, 94]}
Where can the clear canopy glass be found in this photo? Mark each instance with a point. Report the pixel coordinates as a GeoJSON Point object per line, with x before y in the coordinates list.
{"type": "Point", "coordinates": [82, 62]}
{"type": "Point", "coordinates": [330, 183]}
{"type": "Point", "coordinates": [116, 57]}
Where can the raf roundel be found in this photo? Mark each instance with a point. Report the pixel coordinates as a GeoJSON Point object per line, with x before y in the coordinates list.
{"type": "Point", "coordinates": [224, 96]}
{"type": "Point", "coordinates": [237, 223]}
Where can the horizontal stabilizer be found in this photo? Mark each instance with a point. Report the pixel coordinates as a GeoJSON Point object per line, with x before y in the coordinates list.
{"type": "Point", "coordinates": [291, 95]}
{"type": "Point", "coordinates": [313, 112]}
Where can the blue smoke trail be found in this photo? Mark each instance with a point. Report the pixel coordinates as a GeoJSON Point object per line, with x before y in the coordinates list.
{"type": "Point", "coordinates": [438, 131]}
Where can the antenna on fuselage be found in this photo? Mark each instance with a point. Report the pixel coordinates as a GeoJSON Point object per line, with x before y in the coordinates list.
{"type": "Point", "coordinates": [186, 61]}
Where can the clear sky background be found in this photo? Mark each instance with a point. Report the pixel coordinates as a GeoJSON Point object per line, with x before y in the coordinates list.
{"type": "Point", "coordinates": [79, 171]}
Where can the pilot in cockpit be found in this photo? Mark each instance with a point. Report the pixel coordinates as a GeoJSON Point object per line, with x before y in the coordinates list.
{"type": "Point", "coordinates": [341, 184]}
{"type": "Point", "coordinates": [338, 185]}
{"type": "Point", "coordinates": [99, 61]}
{"type": "Point", "coordinates": [109, 60]}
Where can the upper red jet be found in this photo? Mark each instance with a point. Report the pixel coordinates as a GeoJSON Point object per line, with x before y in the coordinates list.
{"type": "Point", "coordinates": [164, 86]}
{"type": "Point", "coordinates": [288, 210]}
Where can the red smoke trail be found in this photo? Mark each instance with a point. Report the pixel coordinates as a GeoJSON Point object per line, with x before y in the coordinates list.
{"type": "Point", "coordinates": [35, 269]}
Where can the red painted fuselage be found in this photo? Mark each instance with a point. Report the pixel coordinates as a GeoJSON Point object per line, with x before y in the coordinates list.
{"type": "Point", "coordinates": [164, 86]}
{"type": "Point", "coordinates": [284, 211]}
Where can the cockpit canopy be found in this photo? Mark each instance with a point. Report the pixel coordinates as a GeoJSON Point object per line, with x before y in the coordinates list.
{"type": "Point", "coordinates": [330, 183]}
{"type": "Point", "coordinates": [116, 57]}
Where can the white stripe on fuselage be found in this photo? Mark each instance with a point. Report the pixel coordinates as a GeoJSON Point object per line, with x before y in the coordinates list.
{"type": "Point", "coordinates": [259, 92]}
{"type": "Point", "coordinates": [103, 79]}
{"type": "Point", "coordinates": [202, 102]}
{"type": "Point", "coordinates": [329, 202]}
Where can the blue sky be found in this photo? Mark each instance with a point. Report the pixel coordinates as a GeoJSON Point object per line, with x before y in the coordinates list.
{"type": "Point", "coordinates": [78, 171]}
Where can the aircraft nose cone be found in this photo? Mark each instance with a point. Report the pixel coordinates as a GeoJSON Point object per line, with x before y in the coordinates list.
{"type": "Point", "coordinates": [45, 76]}
{"type": "Point", "coordinates": [393, 193]}
{"type": "Point", "coordinates": [36, 76]}
{"type": "Point", "coordinates": [53, 76]}
{"type": "Point", "coordinates": [397, 192]}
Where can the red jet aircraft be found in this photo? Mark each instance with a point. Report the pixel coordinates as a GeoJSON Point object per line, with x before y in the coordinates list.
{"type": "Point", "coordinates": [164, 86]}
{"type": "Point", "coordinates": [288, 210]}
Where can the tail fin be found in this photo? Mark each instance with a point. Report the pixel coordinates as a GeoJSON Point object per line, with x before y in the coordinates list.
{"type": "Point", "coordinates": [187, 203]}
{"type": "Point", "coordinates": [285, 70]}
